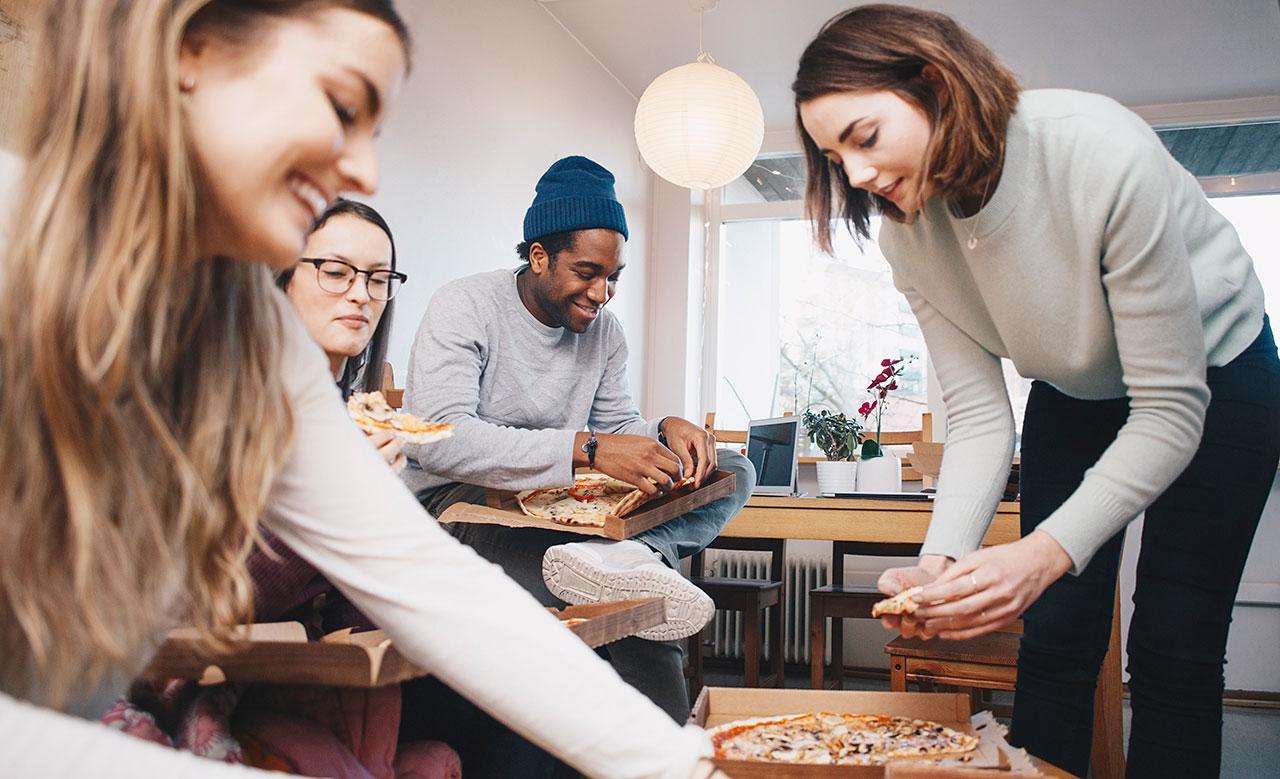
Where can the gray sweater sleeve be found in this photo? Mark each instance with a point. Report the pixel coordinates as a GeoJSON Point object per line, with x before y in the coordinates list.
{"type": "Point", "coordinates": [449, 357]}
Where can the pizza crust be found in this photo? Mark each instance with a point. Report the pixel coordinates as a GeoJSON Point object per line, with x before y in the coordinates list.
{"type": "Point", "coordinates": [593, 498]}
{"type": "Point", "coordinates": [372, 413]}
{"type": "Point", "coordinates": [903, 603]}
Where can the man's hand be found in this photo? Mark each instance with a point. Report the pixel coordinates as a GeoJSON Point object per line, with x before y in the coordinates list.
{"type": "Point", "coordinates": [635, 459]}
{"type": "Point", "coordinates": [695, 447]}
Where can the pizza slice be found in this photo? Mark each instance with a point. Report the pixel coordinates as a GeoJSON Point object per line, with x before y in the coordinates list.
{"type": "Point", "coordinates": [589, 501]}
{"type": "Point", "coordinates": [372, 412]}
{"type": "Point", "coordinates": [903, 603]}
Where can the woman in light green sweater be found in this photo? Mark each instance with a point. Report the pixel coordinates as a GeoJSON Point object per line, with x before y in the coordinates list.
{"type": "Point", "coordinates": [1052, 228]}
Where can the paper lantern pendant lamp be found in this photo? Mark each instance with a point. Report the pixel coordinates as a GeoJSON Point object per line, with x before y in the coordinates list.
{"type": "Point", "coordinates": [699, 125]}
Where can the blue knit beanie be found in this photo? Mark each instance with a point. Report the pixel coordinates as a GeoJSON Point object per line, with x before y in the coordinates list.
{"type": "Point", "coordinates": [574, 194]}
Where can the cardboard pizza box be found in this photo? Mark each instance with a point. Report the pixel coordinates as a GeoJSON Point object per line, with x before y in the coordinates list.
{"type": "Point", "coordinates": [279, 652]}
{"type": "Point", "coordinates": [502, 509]}
{"type": "Point", "coordinates": [718, 705]}
{"type": "Point", "coordinates": [613, 620]}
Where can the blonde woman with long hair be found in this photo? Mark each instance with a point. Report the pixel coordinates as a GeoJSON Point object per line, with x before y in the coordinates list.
{"type": "Point", "coordinates": [159, 397]}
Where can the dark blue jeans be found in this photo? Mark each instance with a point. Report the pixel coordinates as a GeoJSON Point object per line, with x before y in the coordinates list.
{"type": "Point", "coordinates": [1195, 541]}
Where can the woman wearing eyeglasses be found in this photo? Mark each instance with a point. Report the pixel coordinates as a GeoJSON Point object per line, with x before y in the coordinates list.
{"type": "Point", "coordinates": [342, 288]}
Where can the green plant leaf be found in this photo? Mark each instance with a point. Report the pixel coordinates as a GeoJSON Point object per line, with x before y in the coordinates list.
{"type": "Point", "coordinates": [871, 449]}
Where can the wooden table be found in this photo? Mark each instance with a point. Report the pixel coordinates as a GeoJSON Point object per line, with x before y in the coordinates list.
{"type": "Point", "coordinates": [852, 519]}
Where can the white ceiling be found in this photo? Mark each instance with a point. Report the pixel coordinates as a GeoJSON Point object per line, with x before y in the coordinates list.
{"type": "Point", "coordinates": [1140, 52]}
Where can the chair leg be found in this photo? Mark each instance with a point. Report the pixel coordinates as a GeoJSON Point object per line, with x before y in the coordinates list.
{"type": "Point", "coordinates": [837, 651]}
{"type": "Point", "coordinates": [751, 637]}
{"type": "Point", "coordinates": [897, 673]}
{"type": "Point", "coordinates": [695, 665]}
{"type": "Point", "coordinates": [817, 641]}
{"type": "Point", "coordinates": [1107, 758]}
{"type": "Point", "coordinates": [776, 639]}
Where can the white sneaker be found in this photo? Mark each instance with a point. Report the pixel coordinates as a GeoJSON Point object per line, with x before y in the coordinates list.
{"type": "Point", "coordinates": [594, 571]}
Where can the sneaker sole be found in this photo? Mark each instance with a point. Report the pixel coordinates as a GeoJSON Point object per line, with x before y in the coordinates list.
{"type": "Point", "coordinates": [577, 580]}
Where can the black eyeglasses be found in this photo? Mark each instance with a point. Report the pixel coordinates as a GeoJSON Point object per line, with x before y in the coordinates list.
{"type": "Point", "coordinates": [337, 276]}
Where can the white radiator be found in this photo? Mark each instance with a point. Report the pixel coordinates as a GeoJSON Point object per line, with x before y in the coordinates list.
{"type": "Point", "coordinates": [802, 574]}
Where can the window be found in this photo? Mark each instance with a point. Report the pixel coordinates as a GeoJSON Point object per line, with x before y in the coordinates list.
{"type": "Point", "coordinates": [1254, 217]}
{"type": "Point", "coordinates": [798, 328]}
{"type": "Point", "coordinates": [795, 328]}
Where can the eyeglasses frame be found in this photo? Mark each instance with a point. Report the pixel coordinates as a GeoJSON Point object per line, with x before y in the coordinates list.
{"type": "Point", "coordinates": [368, 274]}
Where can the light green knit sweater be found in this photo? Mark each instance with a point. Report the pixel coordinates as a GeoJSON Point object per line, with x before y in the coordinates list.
{"type": "Point", "coordinates": [1100, 268]}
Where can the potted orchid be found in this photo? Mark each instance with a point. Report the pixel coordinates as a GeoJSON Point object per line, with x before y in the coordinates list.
{"type": "Point", "coordinates": [837, 436]}
{"type": "Point", "coordinates": [880, 471]}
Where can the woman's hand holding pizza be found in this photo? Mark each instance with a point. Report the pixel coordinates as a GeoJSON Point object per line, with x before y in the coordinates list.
{"type": "Point", "coordinates": [978, 594]}
{"type": "Point", "coordinates": [695, 447]}
{"type": "Point", "coordinates": [390, 447]}
{"type": "Point", "coordinates": [989, 588]}
{"type": "Point", "coordinates": [637, 460]}
{"type": "Point", "coordinates": [896, 580]}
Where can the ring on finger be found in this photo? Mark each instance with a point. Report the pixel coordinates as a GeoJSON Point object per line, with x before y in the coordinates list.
{"type": "Point", "coordinates": [974, 580]}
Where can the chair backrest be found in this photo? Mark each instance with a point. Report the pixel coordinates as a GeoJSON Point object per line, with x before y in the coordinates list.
{"type": "Point", "coordinates": [897, 437]}
{"type": "Point", "coordinates": [724, 436]}
{"type": "Point", "coordinates": [394, 396]}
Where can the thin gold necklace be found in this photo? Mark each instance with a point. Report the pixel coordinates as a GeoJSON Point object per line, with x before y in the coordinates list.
{"type": "Point", "coordinates": [972, 243]}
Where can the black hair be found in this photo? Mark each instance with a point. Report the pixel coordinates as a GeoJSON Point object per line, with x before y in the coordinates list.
{"type": "Point", "coordinates": [355, 377]}
{"type": "Point", "coordinates": [552, 244]}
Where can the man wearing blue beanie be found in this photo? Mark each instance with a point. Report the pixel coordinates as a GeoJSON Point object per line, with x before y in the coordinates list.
{"type": "Point", "coordinates": [530, 369]}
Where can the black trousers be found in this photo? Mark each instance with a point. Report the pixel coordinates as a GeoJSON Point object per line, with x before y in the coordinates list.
{"type": "Point", "coordinates": [1195, 541]}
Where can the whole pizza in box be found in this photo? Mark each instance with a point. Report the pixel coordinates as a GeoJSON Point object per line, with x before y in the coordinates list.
{"type": "Point", "coordinates": [589, 501]}
{"type": "Point", "coordinates": [824, 738]}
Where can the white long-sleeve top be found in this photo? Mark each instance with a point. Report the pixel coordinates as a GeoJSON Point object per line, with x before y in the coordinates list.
{"type": "Point", "coordinates": [1100, 268]}
{"type": "Point", "coordinates": [338, 506]}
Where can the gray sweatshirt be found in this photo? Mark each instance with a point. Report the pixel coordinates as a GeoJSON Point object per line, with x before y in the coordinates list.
{"type": "Point", "coordinates": [515, 390]}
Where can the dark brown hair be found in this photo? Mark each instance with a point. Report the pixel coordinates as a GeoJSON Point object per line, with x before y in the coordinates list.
{"type": "Point", "coordinates": [886, 47]}
{"type": "Point", "coordinates": [362, 373]}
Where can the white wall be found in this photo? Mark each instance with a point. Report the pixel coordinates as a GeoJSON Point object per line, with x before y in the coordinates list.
{"type": "Point", "coordinates": [498, 92]}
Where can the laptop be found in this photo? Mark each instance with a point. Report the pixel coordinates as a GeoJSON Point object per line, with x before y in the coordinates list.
{"type": "Point", "coordinates": [772, 449]}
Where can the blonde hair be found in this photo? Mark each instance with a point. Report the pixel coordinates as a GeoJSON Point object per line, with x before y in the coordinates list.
{"type": "Point", "coordinates": [144, 415]}
{"type": "Point", "coordinates": [888, 47]}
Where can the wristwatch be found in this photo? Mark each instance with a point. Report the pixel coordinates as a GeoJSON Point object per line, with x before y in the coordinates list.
{"type": "Point", "coordinates": [589, 449]}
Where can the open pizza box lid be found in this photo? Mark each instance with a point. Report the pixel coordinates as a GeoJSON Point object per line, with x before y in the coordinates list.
{"type": "Point", "coordinates": [502, 509]}
{"type": "Point", "coordinates": [719, 705]}
{"type": "Point", "coordinates": [279, 652]}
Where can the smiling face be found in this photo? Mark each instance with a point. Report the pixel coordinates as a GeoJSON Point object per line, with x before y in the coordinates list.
{"type": "Point", "coordinates": [282, 122]}
{"type": "Point", "coordinates": [878, 138]}
{"type": "Point", "coordinates": [342, 323]}
{"type": "Point", "coordinates": [570, 291]}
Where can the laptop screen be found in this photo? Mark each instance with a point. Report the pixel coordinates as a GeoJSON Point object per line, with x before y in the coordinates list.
{"type": "Point", "coordinates": [771, 448]}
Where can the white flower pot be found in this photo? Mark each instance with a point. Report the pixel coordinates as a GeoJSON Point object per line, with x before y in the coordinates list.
{"type": "Point", "coordinates": [880, 474]}
{"type": "Point", "coordinates": [839, 476]}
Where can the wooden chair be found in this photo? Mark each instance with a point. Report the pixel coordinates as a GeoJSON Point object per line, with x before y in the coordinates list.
{"type": "Point", "coordinates": [752, 598]}
{"type": "Point", "coordinates": [748, 596]}
{"type": "Point", "coordinates": [394, 396]}
{"type": "Point", "coordinates": [839, 601]}
{"type": "Point", "coordinates": [990, 663]}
